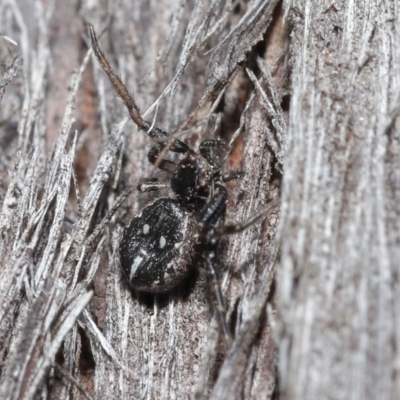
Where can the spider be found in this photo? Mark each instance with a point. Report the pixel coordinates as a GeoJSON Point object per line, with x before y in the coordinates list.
{"type": "Point", "coordinates": [160, 242]}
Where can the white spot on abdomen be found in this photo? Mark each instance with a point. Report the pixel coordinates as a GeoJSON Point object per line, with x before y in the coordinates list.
{"type": "Point", "coordinates": [146, 229]}
{"type": "Point", "coordinates": [162, 242]}
{"type": "Point", "coordinates": [136, 263]}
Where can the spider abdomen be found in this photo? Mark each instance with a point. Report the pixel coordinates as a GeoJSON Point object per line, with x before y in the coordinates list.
{"type": "Point", "coordinates": [158, 245]}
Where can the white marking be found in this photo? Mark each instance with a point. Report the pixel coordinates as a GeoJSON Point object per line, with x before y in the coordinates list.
{"type": "Point", "coordinates": [162, 242]}
{"type": "Point", "coordinates": [146, 229]}
{"type": "Point", "coordinates": [136, 263]}
{"type": "Point", "coordinates": [167, 277]}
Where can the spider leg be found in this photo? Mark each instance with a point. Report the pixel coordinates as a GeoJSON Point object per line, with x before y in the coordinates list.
{"type": "Point", "coordinates": [213, 216]}
{"type": "Point", "coordinates": [119, 86]}
{"type": "Point", "coordinates": [230, 229]}
{"type": "Point", "coordinates": [212, 228]}
{"type": "Point", "coordinates": [231, 175]}
{"type": "Point", "coordinates": [165, 165]}
{"type": "Point", "coordinates": [153, 131]}
{"type": "Point", "coordinates": [207, 148]}
{"type": "Point", "coordinates": [214, 212]}
{"type": "Point", "coordinates": [151, 185]}
{"type": "Point", "coordinates": [218, 297]}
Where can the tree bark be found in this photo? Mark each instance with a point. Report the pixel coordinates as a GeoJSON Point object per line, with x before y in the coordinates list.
{"type": "Point", "coordinates": [307, 96]}
{"type": "Point", "coordinates": [338, 274]}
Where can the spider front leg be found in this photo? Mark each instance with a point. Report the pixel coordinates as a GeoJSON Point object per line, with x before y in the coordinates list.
{"type": "Point", "coordinates": [154, 132]}
{"type": "Point", "coordinates": [121, 89]}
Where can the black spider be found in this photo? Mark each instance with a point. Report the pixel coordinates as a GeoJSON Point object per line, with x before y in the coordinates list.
{"type": "Point", "coordinates": [160, 242]}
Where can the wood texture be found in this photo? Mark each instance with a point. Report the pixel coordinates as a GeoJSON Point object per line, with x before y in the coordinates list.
{"type": "Point", "coordinates": [70, 325]}
{"type": "Point", "coordinates": [307, 95]}
{"type": "Point", "coordinates": [338, 276]}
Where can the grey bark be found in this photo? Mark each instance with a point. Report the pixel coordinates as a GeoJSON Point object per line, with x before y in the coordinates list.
{"type": "Point", "coordinates": [313, 303]}
{"type": "Point", "coordinates": [338, 276]}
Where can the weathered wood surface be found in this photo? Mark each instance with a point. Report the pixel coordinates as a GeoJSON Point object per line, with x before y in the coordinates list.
{"type": "Point", "coordinates": [338, 282]}
{"type": "Point", "coordinates": [314, 304]}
